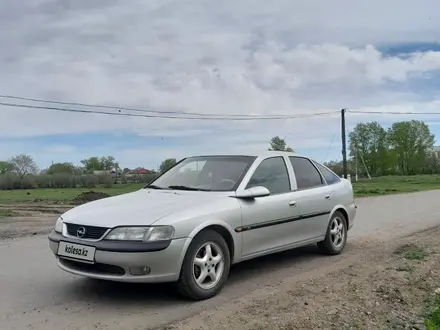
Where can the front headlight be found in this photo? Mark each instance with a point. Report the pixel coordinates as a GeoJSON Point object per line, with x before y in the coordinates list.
{"type": "Point", "coordinates": [59, 225]}
{"type": "Point", "coordinates": [146, 234]}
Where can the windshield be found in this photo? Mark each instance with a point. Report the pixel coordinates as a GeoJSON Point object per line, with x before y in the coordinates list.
{"type": "Point", "coordinates": [205, 173]}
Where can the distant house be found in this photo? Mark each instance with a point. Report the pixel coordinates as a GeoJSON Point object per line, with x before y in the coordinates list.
{"type": "Point", "coordinates": [138, 171]}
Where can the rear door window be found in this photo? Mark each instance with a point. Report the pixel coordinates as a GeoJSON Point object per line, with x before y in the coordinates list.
{"type": "Point", "coordinates": [307, 176]}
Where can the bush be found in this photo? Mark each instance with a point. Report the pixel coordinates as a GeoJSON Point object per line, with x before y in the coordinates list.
{"type": "Point", "coordinates": [102, 178]}
{"type": "Point", "coordinates": [9, 181]}
{"type": "Point", "coordinates": [148, 178]}
{"type": "Point", "coordinates": [28, 182]}
{"type": "Point", "coordinates": [107, 181]}
{"type": "Point", "coordinates": [58, 180]}
{"type": "Point", "coordinates": [12, 181]}
{"type": "Point", "coordinates": [123, 179]}
{"type": "Point", "coordinates": [89, 181]}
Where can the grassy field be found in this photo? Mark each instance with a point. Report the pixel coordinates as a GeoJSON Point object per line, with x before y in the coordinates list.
{"type": "Point", "coordinates": [66, 194]}
{"type": "Point", "coordinates": [396, 184]}
{"type": "Point", "coordinates": [375, 187]}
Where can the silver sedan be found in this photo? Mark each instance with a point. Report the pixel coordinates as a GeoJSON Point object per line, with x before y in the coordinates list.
{"type": "Point", "coordinates": [206, 213]}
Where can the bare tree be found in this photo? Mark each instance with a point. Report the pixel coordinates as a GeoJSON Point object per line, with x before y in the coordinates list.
{"type": "Point", "coordinates": [23, 165]}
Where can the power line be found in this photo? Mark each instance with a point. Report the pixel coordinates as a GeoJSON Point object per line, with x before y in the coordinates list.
{"type": "Point", "coordinates": [394, 112]}
{"type": "Point", "coordinates": [329, 147]}
{"type": "Point", "coordinates": [134, 109]}
{"type": "Point", "coordinates": [298, 116]}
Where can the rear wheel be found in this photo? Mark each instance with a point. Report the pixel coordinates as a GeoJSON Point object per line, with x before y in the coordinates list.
{"type": "Point", "coordinates": [336, 236]}
{"type": "Point", "coordinates": [205, 267]}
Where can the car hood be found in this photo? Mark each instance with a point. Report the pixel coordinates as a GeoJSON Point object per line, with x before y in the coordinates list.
{"type": "Point", "coordinates": [143, 207]}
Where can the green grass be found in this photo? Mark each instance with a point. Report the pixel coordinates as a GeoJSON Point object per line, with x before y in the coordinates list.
{"type": "Point", "coordinates": [6, 213]}
{"type": "Point", "coordinates": [386, 185]}
{"type": "Point", "coordinates": [432, 313]}
{"type": "Point", "coordinates": [66, 194]}
{"type": "Point", "coordinates": [377, 186]}
{"type": "Point", "coordinates": [416, 254]}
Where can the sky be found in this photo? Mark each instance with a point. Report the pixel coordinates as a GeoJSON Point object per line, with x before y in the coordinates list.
{"type": "Point", "coordinates": [247, 57]}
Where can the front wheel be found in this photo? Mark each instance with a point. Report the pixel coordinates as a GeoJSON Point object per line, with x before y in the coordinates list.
{"type": "Point", "coordinates": [205, 267]}
{"type": "Point", "coordinates": [336, 236]}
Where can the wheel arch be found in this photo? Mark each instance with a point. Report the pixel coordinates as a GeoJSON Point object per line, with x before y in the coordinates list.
{"type": "Point", "coordinates": [224, 229]}
{"type": "Point", "coordinates": [343, 210]}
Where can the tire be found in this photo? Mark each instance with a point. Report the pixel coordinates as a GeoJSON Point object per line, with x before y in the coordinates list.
{"type": "Point", "coordinates": [328, 245]}
{"type": "Point", "coordinates": [187, 284]}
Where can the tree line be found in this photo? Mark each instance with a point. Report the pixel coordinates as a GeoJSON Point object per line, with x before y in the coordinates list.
{"type": "Point", "coordinates": [405, 148]}
{"type": "Point", "coordinates": [21, 172]}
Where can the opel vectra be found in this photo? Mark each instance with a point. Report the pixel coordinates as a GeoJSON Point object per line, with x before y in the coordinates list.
{"type": "Point", "coordinates": [206, 213]}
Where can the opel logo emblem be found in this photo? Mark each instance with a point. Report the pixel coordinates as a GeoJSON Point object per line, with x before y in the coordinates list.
{"type": "Point", "coordinates": [81, 232]}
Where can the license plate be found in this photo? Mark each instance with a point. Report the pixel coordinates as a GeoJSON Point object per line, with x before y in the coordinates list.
{"type": "Point", "coordinates": [76, 251]}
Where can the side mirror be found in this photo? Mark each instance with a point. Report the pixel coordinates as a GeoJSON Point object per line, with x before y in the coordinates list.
{"type": "Point", "coordinates": [253, 192]}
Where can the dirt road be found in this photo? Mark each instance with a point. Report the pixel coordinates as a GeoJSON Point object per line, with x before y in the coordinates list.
{"type": "Point", "coordinates": [29, 219]}
{"type": "Point", "coordinates": [37, 295]}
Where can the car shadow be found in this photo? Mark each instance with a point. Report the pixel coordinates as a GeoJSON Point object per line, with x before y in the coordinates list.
{"type": "Point", "coordinates": [154, 295]}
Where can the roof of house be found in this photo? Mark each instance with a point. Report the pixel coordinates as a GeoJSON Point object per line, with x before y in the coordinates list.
{"type": "Point", "coordinates": [140, 170]}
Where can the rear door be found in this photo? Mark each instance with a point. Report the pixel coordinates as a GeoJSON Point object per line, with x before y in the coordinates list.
{"type": "Point", "coordinates": [267, 222]}
{"type": "Point", "coordinates": [314, 198]}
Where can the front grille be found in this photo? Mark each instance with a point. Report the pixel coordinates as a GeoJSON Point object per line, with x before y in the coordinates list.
{"type": "Point", "coordinates": [91, 232]}
{"type": "Point", "coordinates": [97, 268]}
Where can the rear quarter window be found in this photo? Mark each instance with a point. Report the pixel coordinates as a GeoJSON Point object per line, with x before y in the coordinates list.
{"type": "Point", "coordinates": [328, 175]}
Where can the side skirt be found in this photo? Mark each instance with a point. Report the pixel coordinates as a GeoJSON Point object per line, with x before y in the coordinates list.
{"type": "Point", "coordinates": [283, 248]}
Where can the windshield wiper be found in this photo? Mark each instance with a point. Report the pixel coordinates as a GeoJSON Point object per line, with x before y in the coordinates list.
{"type": "Point", "coordinates": [152, 186]}
{"type": "Point", "coordinates": [187, 188]}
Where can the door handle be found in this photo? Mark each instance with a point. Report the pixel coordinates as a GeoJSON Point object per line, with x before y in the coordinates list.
{"type": "Point", "coordinates": [292, 203]}
{"type": "Point", "coordinates": [327, 196]}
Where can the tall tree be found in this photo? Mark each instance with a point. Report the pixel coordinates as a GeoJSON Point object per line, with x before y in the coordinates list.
{"type": "Point", "coordinates": [92, 164]}
{"type": "Point", "coordinates": [411, 142]}
{"type": "Point", "coordinates": [432, 163]}
{"type": "Point", "coordinates": [167, 164]}
{"type": "Point", "coordinates": [61, 168]}
{"type": "Point", "coordinates": [23, 165]}
{"type": "Point", "coordinates": [279, 144]}
{"type": "Point", "coordinates": [108, 163]}
{"type": "Point", "coordinates": [369, 141]}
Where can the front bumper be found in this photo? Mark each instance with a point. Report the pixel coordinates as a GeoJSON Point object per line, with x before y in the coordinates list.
{"type": "Point", "coordinates": [113, 260]}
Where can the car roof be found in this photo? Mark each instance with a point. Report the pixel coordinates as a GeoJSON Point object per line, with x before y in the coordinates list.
{"type": "Point", "coordinates": [263, 154]}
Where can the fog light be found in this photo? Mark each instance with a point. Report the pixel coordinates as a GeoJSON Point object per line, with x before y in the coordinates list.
{"type": "Point", "coordinates": [142, 270]}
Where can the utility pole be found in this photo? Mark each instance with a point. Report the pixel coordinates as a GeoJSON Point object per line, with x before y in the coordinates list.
{"type": "Point", "coordinates": [344, 144]}
{"type": "Point", "coordinates": [356, 162]}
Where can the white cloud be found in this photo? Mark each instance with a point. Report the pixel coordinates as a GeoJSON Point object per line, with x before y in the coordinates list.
{"type": "Point", "coordinates": [246, 57]}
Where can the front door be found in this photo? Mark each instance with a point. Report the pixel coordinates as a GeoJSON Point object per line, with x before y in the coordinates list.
{"type": "Point", "coordinates": [267, 222]}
